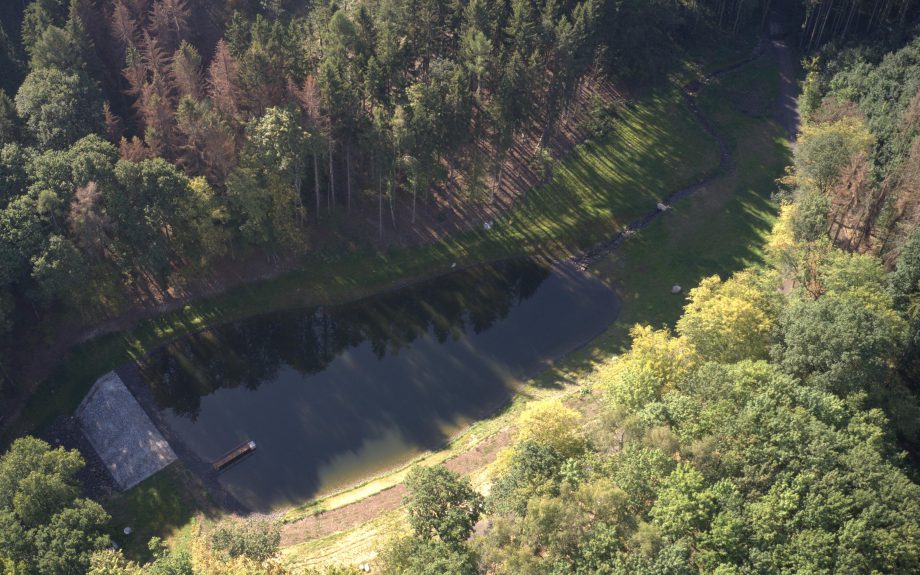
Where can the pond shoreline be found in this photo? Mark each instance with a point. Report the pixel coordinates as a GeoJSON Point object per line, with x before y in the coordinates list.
{"type": "Point", "coordinates": [562, 276]}
{"type": "Point", "coordinates": [111, 343]}
{"type": "Point", "coordinates": [582, 261]}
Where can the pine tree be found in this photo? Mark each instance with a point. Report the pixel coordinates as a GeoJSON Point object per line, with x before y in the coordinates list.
{"type": "Point", "coordinates": [223, 81]}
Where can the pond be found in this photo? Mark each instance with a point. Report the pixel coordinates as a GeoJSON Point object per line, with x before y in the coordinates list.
{"type": "Point", "coordinates": [332, 395]}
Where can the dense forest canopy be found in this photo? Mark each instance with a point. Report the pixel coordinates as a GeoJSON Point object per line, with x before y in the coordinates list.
{"type": "Point", "coordinates": [143, 139]}
{"type": "Point", "coordinates": [140, 140]}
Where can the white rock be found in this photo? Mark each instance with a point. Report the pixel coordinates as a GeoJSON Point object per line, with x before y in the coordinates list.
{"type": "Point", "coordinates": [661, 207]}
{"type": "Point", "coordinates": [676, 289]}
{"type": "Point", "coordinates": [127, 531]}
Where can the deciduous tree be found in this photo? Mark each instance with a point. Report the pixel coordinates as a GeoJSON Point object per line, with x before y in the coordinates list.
{"type": "Point", "coordinates": [47, 528]}
{"type": "Point", "coordinates": [731, 321]}
{"type": "Point", "coordinates": [442, 506]}
{"type": "Point", "coordinates": [59, 108]}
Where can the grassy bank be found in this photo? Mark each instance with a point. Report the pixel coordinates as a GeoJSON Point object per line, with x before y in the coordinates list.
{"type": "Point", "coordinates": [723, 226]}
{"type": "Point", "coordinates": [160, 506]}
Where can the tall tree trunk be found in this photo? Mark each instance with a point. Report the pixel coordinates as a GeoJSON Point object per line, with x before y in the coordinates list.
{"type": "Point", "coordinates": [348, 176]}
{"type": "Point", "coordinates": [814, 25]}
{"type": "Point", "coordinates": [870, 215]}
{"type": "Point", "coordinates": [501, 174]}
{"type": "Point", "coordinates": [875, 11]}
{"type": "Point", "coordinates": [904, 5]}
{"type": "Point", "coordinates": [846, 29]}
{"type": "Point", "coordinates": [414, 196]}
{"type": "Point", "coordinates": [738, 16]}
{"type": "Point", "coordinates": [331, 179]}
{"type": "Point", "coordinates": [766, 12]}
{"type": "Point", "coordinates": [380, 204]}
{"type": "Point", "coordinates": [450, 181]}
{"type": "Point", "coordinates": [883, 13]}
{"type": "Point", "coordinates": [391, 192]}
{"type": "Point", "coordinates": [824, 24]}
{"type": "Point", "coordinates": [838, 17]}
{"type": "Point", "coordinates": [298, 200]}
{"type": "Point", "coordinates": [498, 178]}
{"type": "Point", "coordinates": [6, 374]}
{"type": "Point", "coordinates": [805, 26]}
{"type": "Point", "coordinates": [316, 182]}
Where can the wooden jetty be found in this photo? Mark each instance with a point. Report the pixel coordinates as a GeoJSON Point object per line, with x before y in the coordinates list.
{"type": "Point", "coordinates": [235, 455]}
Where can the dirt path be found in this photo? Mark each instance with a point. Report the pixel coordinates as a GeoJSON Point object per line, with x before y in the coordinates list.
{"type": "Point", "coordinates": [726, 165]}
{"type": "Point", "coordinates": [787, 115]}
{"type": "Point", "coordinates": [787, 112]}
{"type": "Point", "coordinates": [355, 514]}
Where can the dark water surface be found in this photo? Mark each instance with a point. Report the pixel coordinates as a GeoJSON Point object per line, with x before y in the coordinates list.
{"type": "Point", "coordinates": [331, 395]}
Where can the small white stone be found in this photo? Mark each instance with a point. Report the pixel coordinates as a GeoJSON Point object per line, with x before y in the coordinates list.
{"type": "Point", "coordinates": [676, 289]}
{"type": "Point", "coordinates": [661, 207]}
{"type": "Point", "coordinates": [127, 531]}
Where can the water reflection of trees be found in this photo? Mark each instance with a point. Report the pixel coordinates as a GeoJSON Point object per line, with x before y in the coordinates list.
{"type": "Point", "coordinates": [251, 352]}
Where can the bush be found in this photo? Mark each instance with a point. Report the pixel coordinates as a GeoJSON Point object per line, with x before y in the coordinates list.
{"type": "Point", "coordinates": [257, 540]}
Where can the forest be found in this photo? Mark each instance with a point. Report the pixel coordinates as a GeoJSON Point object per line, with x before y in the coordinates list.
{"type": "Point", "coordinates": [144, 142]}
{"type": "Point", "coordinates": [149, 140]}
{"type": "Point", "coordinates": [774, 428]}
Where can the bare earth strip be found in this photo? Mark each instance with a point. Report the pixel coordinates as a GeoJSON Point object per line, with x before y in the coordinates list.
{"type": "Point", "coordinates": [360, 512]}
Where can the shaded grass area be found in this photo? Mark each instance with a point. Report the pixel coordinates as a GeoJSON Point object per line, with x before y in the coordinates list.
{"type": "Point", "coordinates": [160, 506]}
{"type": "Point", "coordinates": [655, 147]}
